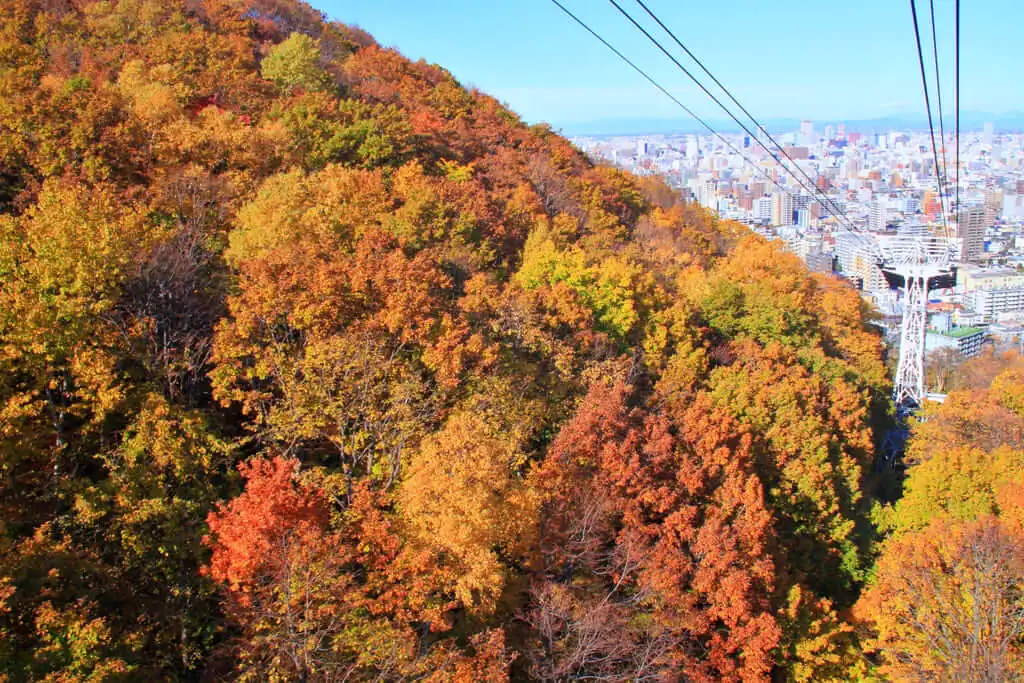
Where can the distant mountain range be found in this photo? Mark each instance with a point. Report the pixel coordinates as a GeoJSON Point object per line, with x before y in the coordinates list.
{"type": "Point", "coordinates": [969, 121]}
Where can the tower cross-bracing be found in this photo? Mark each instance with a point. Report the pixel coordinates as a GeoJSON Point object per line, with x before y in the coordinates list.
{"type": "Point", "coordinates": [917, 264]}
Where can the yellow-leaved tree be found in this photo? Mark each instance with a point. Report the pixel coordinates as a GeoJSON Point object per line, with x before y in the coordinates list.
{"type": "Point", "coordinates": [463, 497]}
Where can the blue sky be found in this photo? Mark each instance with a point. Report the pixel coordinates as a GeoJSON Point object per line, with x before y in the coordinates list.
{"type": "Point", "coordinates": [819, 59]}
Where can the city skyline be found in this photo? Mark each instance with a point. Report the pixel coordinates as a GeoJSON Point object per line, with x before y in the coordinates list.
{"type": "Point", "coordinates": [970, 122]}
{"type": "Point", "coordinates": [866, 188]}
{"type": "Point", "coordinates": [807, 60]}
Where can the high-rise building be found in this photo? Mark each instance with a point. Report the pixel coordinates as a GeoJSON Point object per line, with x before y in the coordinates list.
{"type": "Point", "coordinates": [782, 208]}
{"type": "Point", "coordinates": [878, 216]}
{"type": "Point", "coordinates": [692, 148]}
{"type": "Point", "coordinates": [857, 260]}
{"type": "Point", "coordinates": [806, 132]}
{"type": "Point", "coordinates": [762, 209]}
{"type": "Point", "coordinates": [707, 193]}
{"type": "Point", "coordinates": [971, 230]}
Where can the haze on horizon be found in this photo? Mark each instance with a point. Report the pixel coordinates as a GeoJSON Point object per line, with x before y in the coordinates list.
{"type": "Point", "coordinates": [800, 59]}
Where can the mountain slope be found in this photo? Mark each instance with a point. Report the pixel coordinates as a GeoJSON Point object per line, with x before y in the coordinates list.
{"type": "Point", "coordinates": [317, 364]}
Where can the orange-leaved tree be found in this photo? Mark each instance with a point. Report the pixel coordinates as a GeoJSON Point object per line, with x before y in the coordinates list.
{"type": "Point", "coordinates": [657, 515]}
{"type": "Point", "coordinates": [948, 603]}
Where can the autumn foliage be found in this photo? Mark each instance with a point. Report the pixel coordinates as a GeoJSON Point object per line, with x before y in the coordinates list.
{"type": "Point", "coordinates": [658, 516]}
{"type": "Point", "coordinates": [258, 530]}
{"type": "Point", "coordinates": [946, 600]}
{"type": "Point", "coordinates": [316, 365]}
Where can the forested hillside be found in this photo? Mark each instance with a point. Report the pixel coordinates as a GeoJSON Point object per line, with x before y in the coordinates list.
{"type": "Point", "coordinates": [945, 599]}
{"type": "Point", "coordinates": [316, 365]}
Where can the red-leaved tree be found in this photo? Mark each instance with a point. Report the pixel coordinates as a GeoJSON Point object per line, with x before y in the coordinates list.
{"type": "Point", "coordinates": [657, 559]}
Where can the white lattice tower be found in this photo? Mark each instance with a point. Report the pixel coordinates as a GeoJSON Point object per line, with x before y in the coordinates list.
{"type": "Point", "coordinates": [908, 389]}
{"type": "Point", "coordinates": [919, 261]}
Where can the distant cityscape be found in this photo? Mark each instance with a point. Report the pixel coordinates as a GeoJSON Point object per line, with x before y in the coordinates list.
{"type": "Point", "coordinates": [883, 183]}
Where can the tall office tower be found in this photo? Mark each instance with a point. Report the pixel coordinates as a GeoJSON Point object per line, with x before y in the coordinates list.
{"type": "Point", "coordinates": [782, 208]}
{"type": "Point", "coordinates": [971, 230]}
{"type": "Point", "coordinates": [830, 133]}
{"type": "Point", "coordinates": [841, 131]}
{"type": "Point", "coordinates": [988, 134]}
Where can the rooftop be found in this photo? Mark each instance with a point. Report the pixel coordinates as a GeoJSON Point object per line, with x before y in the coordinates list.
{"type": "Point", "coordinates": [959, 332]}
{"type": "Point", "coordinates": [993, 273]}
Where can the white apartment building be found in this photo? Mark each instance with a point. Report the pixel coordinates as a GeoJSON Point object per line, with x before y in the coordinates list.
{"type": "Point", "coordinates": [782, 208]}
{"type": "Point", "coordinates": [991, 302]}
{"type": "Point", "coordinates": [966, 340]}
{"type": "Point", "coordinates": [878, 216]}
{"type": "Point", "coordinates": [707, 193]}
{"type": "Point", "coordinates": [762, 208]}
{"type": "Point", "coordinates": [856, 260]}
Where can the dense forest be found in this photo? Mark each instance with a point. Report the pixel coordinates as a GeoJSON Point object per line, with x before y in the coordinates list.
{"type": "Point", "coordinates": [315, 365]}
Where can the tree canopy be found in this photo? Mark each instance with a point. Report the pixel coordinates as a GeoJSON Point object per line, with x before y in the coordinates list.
{"type": "Point", "coordinates": [317, 365]}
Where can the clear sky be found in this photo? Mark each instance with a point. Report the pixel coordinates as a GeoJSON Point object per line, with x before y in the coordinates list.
{"type": "Point", "coordinates": [818, 59]}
